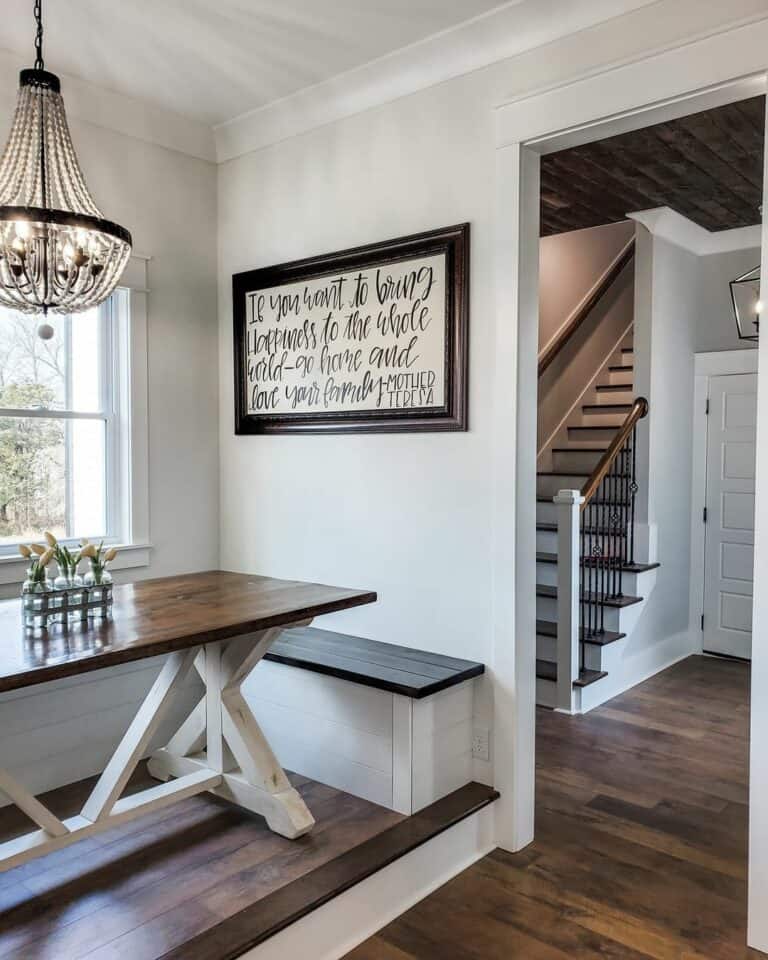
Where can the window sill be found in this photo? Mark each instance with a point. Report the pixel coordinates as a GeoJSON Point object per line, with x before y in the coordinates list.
{"type": "Point", "coordinates": [131, 556]}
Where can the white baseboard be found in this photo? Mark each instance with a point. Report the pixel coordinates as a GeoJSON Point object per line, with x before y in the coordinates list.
{"type": "Point", "coordinates": [334, 929]}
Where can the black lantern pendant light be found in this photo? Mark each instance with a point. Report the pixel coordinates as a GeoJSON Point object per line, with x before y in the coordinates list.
{"type": "Point", "coordinates": [747, 305]}
{"type": "Point", "coordinates": [57, 252]}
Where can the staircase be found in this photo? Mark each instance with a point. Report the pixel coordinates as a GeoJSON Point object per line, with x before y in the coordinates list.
{"type": "Point", "coordinates": [592, 454]}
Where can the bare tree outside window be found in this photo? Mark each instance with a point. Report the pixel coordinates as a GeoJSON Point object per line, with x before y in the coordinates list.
{"type": "Point", "coordinates": [51, 467]}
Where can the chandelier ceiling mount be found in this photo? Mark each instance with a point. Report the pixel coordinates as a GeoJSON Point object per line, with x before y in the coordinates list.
{"type": "Point", "coordinates": [58, 253]}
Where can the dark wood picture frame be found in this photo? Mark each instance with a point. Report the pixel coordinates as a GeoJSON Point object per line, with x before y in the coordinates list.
{"type": "Point", "coordinates": [454, 243]}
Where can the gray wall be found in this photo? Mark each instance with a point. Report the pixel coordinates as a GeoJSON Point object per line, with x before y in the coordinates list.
{"type": "Point", "coordinates": [569, 265]}
{"type": "Point", "coordinates": [715, 325]}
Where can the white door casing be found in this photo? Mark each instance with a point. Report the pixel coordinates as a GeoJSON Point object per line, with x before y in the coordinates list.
{"type": "Point", "coordinates": [730, 504]}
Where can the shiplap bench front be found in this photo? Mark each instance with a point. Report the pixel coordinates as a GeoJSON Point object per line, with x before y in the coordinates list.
{"type": "Point", "coordinates": [384, 722]}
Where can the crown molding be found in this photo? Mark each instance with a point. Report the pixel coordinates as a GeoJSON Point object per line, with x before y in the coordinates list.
{"type": "Point", "coordinates": [88, 103]}
{"type": "Point", "coordinates": [499, 35]}
{"type": "Point", "coordinates": [679, 230]}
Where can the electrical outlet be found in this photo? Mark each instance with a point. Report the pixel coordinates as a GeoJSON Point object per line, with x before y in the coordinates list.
{"type": "Point", "coordinates": [481, 743]}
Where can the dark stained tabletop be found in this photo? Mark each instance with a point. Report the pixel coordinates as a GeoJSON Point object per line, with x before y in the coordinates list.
{"type": "Point", "coordinates": [153, 617]}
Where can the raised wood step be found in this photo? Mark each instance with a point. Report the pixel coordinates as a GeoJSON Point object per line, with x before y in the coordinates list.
{"type": "Point", "coordinates": [548, 628]}
{"type": "Point", "coordinates": [543, 590]}
{"type": "Point", "coordinates": [611, 387]}
{"type": "Point", "coordinates": [621, 368]}
{"type": "Point", "coordinates": [546, 670]}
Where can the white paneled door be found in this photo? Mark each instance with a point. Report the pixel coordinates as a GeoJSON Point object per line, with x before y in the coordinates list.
{"type": "Point", "coordinates": [730, 528]}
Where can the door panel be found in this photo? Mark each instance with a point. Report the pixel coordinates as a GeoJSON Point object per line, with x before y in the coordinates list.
{"type": "Point", "coordinates": [729, 550]}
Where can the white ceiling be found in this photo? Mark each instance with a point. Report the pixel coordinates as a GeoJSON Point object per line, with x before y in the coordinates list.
{"type": "Point", "coordinates": [212, 60]}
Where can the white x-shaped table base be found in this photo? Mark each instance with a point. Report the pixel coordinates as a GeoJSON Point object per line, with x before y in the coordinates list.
{"type": "Point", "coordinates": [219, 748]}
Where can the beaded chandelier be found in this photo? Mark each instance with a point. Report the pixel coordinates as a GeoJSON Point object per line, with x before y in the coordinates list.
{"type": "Point", "coordinates": [57, 252]}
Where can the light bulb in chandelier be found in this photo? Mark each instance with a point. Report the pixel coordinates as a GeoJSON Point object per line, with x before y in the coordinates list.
{"type": "Point", "coordinates": [58, 252]}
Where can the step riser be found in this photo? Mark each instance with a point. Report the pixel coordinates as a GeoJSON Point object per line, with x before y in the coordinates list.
{"type": "Point", "coordinates": [548, 486]}
{"type": "Point", "coordinates": [546, 693]}
{"type": "Point", "coordinates": [623, 377]}
{"type": "Point", "coordinates": [546, 649]}
{"type": "Point", "coordinates": [614, 396]}
{"type": "Point", "coordinates": [632, 584]}
{"type": "Point", "coordinates": [592, 434]}
{"type": "Point", "coordinates": [592, 418]}
{"type": "Point", "coordinates": [546, 541]}
{"type": "Point", "coordinates": [575, 459]}
{"type": "Point", "coordinates": [546, 609]}
{"type": "Point", "coordinates": [546, 513]}
{"type": "Point", "coordinates": [575, 442]}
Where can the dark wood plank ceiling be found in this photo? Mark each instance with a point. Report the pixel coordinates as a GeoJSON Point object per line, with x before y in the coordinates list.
{"type": "Point", "coordinates": [707, 166]}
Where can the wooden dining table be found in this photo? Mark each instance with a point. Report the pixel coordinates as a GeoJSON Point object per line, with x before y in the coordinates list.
{"type": "Point", "coordinates": [218, 624]}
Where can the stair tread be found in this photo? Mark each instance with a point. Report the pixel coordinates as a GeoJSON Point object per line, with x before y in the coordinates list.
{"type": "Point", "coordinates": [563, 473]}
{"type": "Point", "coordinates": [551, 527]}
{"type": "Point", "coordinates": [615, 368]}
{"type": "Point", "coordinates": [544, 590]}
{"type": "Point", "coordinates": [640, 567]}
{"type": "Point", "coordinates": [597, 426]}
{"type": "Point", "coordinates": [579, 449]}
{"type": "Point", "coordinates": [610, 503]}
{"type": "Point", "coordinates": [614, 387]}
{"type": "Point", "coordinates": [546, 670]}
{"type": "Point", "coordinates": [544, 556]}
{"type": "Point", "coordinates": [548, 628]}
{"type": "Point", "coordinates": [606, 407]}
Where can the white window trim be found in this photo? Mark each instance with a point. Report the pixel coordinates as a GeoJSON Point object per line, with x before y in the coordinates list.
{"type": "Point", "coordinates": [131, 514]}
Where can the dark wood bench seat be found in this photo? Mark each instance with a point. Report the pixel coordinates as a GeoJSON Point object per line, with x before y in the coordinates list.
{"type": "Point", "coordinates": [372, 663]}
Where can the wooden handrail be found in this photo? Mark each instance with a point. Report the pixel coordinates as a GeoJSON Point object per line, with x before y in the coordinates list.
{"type": "Point", "coordinates": [638, 411]}
{"type": "Point", "coordinates": [586, 306]}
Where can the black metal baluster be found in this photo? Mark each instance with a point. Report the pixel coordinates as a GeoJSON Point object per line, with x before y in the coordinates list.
{"type": "Point", "coordinates": [602, 556]}
{"type": "Point", "coordinates": [633, 491]}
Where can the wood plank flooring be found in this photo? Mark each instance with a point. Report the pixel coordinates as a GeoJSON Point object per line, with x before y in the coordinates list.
{"type": "Point", "coordinates": [146, 888]}
{"type": "Point", "coordinates": [641, 839]}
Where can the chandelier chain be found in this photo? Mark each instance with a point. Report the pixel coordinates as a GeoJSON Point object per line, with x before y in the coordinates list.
{"type": "Point", "coordinates": [39, 64]}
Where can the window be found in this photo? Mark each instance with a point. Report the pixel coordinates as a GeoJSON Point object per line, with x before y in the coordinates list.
{"type": "Point", "coordinates": [61, 433]}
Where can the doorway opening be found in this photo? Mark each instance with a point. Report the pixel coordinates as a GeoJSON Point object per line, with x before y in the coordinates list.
{"type": "Point", "coordinates": [645, 504]}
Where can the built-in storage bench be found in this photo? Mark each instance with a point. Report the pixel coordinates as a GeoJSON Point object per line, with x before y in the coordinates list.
{"type": "Point", "coordinates": [384, 722]}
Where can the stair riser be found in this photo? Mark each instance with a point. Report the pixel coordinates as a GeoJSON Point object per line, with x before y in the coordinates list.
{"type": "Point", "coordinates": [546, 540]}
{"type": "Point", "coordinates": [548, 486]}
{"type": "Point", "coordinates": [633, 584]}
{"type": "Point", "coordinates": [574, 442]}
{"type": "Point", "coordinates": [592, 434]}
{"type": "Point", "coordinates": [582, 461]}
{"type": "Point", "coordinates": [546, 512]}
{"type": "Point", "coordinates": [546, 609]}
{"type": "Point", "coordinates": [546, 693]}
{"type": "Point", "coordinates": [592, 418]}
{"type": "Point", "coordinates": [623, 377]}
{"type": "Point", "coordinates": [614, 396]}
{"type": "Point", "coordinates": [546, 648]}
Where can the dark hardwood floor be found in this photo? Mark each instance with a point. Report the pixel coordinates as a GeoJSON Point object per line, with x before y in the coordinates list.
{"type": "Point", "coordinates": [146, 888]}
{"type": "Point", "coordinates": [641, 839]}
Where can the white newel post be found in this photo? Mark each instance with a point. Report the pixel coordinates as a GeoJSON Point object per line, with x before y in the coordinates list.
{"type": "Point", "coordinates": [568, 579]}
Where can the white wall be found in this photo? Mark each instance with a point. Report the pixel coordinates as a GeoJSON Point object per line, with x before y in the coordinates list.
{"type": "Point", "coordinates": [168, 201]}
{"type": "Point", "coordinates": [667, 311]}
{"type": "Point", "coordinates": [569, 266]}
{"type": "Point", "coordinates": [410, 516]}
{"type": "Point", "coordinates": [406, 515]}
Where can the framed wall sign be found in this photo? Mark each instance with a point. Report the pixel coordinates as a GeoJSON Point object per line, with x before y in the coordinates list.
{"type": "Point", "coordinates": [373, 339]}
